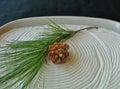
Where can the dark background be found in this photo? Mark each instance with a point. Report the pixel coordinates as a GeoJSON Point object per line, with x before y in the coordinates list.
{"type": "Point", "coordinates": [15, 9]}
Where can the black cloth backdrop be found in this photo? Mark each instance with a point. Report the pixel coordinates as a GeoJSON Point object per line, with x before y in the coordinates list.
{"type": "Point", "coordinates": [15, 9]}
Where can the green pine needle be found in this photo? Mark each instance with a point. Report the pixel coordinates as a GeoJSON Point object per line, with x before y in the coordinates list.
{"type": "Point", "coordinates": [20, 61]}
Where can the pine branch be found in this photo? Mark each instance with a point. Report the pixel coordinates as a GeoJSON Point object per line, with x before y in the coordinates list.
{"type": "Point", "coordinates": [20, 61]}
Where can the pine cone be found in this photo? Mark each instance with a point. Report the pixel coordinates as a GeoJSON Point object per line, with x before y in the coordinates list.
{"type": "Point", "coordinates": [58, 53]}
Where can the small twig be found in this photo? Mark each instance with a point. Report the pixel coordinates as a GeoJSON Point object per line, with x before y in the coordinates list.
{"type": "Point", "coordinates": [74, 32]}
{"type": "Point", "coordinates": [86, 28]}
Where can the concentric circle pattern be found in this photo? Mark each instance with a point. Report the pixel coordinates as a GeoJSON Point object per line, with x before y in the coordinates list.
{"type": "Point", "coordinates": [94, 62]}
